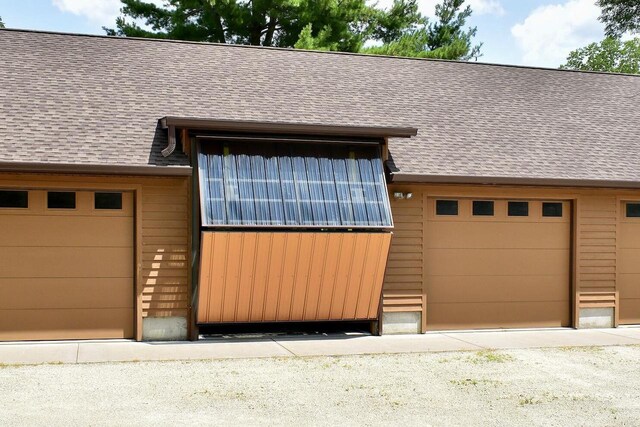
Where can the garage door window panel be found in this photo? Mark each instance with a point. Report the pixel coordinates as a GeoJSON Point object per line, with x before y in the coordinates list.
{"type": "Point", "coordinates": [633, 210]}
{"type": "Point", "coordinates": [292, 184]}
{"type": "Point", "coordinates": [518, 209]}
{"type": "Point", "coordinates": [446, 207]}
{"type": "Point", "coordinates": [14, 199]}
{"type": "Point", "coordinates": [107, 201]}
{"type": "Point", "coordinates": [552, 209]}
{"type": "Point", "coordinates": [61, 200]}
{"type": "Point", "coordinates": [483, 208]}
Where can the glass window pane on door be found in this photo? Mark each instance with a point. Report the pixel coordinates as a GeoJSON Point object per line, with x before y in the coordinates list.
{"type": "Point", "coordinates": [292, 184]}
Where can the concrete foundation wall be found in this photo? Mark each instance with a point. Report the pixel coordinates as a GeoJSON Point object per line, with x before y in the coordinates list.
{"type": "Point", "coordinates": [164, 329]}
{"type": "Point", "coordinates": [401, 323]}
{"type": "Point", "coordinates": [593, 318]}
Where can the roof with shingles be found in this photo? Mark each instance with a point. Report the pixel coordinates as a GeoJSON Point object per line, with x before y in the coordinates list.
{"type": "Point", "coordinates": [97, 100]}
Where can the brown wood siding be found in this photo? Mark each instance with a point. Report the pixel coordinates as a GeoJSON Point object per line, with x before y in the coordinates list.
{"type": "Point", "coordinates": [161, 245]}
{"type": "Point", "coordinates": [290, 276]}
{"type": "Point", "coordinates": [597, 243]}
{"type": "Point", "coordinates": [165, 248]}
{"type": "Point", "coordinates": [403, 280]}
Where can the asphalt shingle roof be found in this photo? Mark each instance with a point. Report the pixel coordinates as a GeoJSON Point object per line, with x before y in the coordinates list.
{"type": "Point", "coordinates": [97, 100]}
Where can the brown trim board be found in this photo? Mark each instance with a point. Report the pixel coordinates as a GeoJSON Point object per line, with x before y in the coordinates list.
{"type": "Point", "coordinates": [95, 169]}
{"type": "Point", "coordinates": [400, 178]}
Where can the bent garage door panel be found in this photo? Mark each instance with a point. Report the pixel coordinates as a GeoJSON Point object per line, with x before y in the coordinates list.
{"type": "Point", "coordinates": [497, 271]}
{"type": "Point", "coordinates": [291, 276]}
{"type": "Point", "coordinates": [66, 273]}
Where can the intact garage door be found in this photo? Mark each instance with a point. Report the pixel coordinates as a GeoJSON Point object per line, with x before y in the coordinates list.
{"type": "Point", "coordinates": [66, 262]}
{"type": "Point", "coordinates": [629, 263]}
{"type": "Point", "coordinates": [497, 263]}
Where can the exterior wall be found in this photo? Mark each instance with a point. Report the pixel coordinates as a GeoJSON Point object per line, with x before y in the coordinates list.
{"type": "Point", "coordinates": [162, 242]}
{"type": "Point", "coordinates": [403, 283]}
{"type": "Point", "coordinates": [595, 240]}
{"type": "Point", "coordinates": [165, 258]}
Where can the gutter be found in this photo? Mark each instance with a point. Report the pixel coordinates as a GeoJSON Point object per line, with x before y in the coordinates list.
{"type": "Point", "coordinates": [554, 182]}
{"type": "Point", "coordinates": [95, 169]}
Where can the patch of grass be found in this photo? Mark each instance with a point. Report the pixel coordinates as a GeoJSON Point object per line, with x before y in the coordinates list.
{"type": "Point", "coordinates": [12, 365]}
{"type": "Point", "coordinates": [591, 349]}
{"type": "Point", "coordinates": [489, 356]}
{"type": "Point", "coordinates": [536, 400]}
{"type": "Point", "coordinates": [470, 382]}
{"type": "Point", "coordinates": [528, 400]}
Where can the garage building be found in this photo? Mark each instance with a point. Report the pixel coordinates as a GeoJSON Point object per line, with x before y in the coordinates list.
{"type": "Point", "coordinates": [151, 186]}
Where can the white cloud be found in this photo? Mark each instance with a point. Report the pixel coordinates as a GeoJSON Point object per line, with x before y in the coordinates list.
{"type": "Point", "coordinates": [479, 7]}
{"type": "Point", "coordinates": [486, 7]}
{"type": "Point", "coordinates": [102, 12]}
{"type": "Point", "coordinates": [550, 32]}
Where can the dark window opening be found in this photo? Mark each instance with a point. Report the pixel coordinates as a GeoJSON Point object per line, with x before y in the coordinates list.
{"type": "Point", "coordinates": [14, 199]}
{"type": "Point", "coordinates": [61, 200]}
{"type": "Point", "coordinates": [482, 207]}
{"type": "Point", "coordinates": [446, 207]}
{"type": "Point", "coordinates": [518, 209]}
{"type": "Point", "coordinates": [108, 201]}
{"type": "Point", "coordinates": [292, 184]}
{"type": "Point", "coordinates": [633, 210]}
{"type": "Point", "coordinates": [552, 209]}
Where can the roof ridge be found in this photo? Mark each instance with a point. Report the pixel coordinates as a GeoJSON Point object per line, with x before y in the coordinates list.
{"type": "Point", "coordinates": [309, 51]}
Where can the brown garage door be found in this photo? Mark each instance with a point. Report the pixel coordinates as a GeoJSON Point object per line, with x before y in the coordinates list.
{"type": "Point", "coordinates": [629, 263]}
{"type": "Point", "coordinates": [497, 263]}
{"type": "Point", "coordinates": [66, 263]}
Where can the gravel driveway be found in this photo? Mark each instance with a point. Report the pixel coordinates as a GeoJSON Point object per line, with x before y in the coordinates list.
{"type": "Point", "coordinates": [566, 386]}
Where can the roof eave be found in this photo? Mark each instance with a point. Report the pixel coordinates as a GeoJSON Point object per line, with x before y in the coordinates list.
{"type": "Point", "coordinates": [95, 169]}
{"type": "Point", "coordinates": [488, 180]}
{"type": "Point", "coordinates": [288, 128]}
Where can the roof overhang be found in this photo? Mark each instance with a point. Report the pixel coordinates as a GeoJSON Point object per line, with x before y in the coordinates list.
{"type": "Point", "coordinates": [486, 180]}
{"type": "Point", "coordinates": [287, 128]}
{"type": "Point", "coordinates": [95, 169]}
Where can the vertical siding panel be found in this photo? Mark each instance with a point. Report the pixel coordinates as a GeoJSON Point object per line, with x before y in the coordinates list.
{"type": "Point", "coordinates": [289, 261]}
{"type": "Point", "coordinates": [359, 268]}
{"type": "Point", "coordinates": [247, 274]}
{"type": "Point", "coordinates": [314, 282]}
{"type": "Point", "coordinates": [305, 257]}
{"type": "Point", "coordinates": [345, 263]}
{"type": "Point", "coordinates": [206, 243]}
{"type": "Point", "coordinates": [232, 278]}
{"type": "Point", "coordinates": [263, 254]}
{"type": "Point", "coordinates": [329, 273]}
{"type": "Point", "coordinates": [274, 280]}
{"type": "Point", "coordinates": [374, 274]}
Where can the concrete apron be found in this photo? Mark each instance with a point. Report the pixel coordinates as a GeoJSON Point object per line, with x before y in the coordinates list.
{"type": "Point", "coordinates": [25, 353]}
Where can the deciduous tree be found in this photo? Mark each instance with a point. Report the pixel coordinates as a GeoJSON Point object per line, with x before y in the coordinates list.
{"type": "Point", "coordinates": [343, 25]}
{"type": "Point", "coordinates": [610, 55]}
{"type": "Point", "coordinates": [620, 16]}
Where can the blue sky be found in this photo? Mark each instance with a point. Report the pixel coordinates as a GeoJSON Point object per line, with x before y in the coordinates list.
{"type": "Point", "coordinates": [521, 32]}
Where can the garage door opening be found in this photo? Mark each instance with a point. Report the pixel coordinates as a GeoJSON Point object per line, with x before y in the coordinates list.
{"type": "Point", "coordinates": [67, 264]}
{"type": "Point", "coordinates": [498, 263]}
